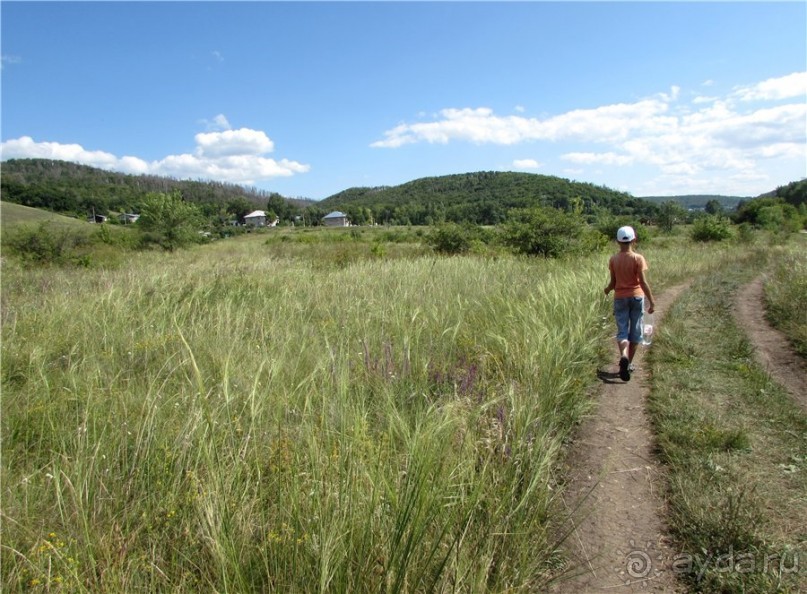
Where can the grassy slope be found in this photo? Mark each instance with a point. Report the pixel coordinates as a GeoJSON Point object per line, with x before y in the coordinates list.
{"type": "Point", "coordinates": [12, 215]}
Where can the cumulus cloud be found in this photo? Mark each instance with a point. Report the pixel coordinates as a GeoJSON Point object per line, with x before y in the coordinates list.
{"type": "Point", "coordinates": [233, 142]}
{"type": "Point", "coordinates": [480, 125]}
{"type": "Point", "coordinates": [786, 87]}
{"type": "Point", "coordinates": [730, 135]}
{"type": "Point", "coordinates": [235, 156]}
{"type": "Point", "coordinates": [526, 164]}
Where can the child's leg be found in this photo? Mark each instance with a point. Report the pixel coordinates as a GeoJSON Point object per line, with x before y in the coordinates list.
{"type": "Point", "coordinates": [622, 317]}
{"type": "Point", "coordinates": [635, 332]}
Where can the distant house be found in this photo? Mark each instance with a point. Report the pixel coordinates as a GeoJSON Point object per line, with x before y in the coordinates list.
{"type": "Point", "coordinates": [258, 219]}
{"type": "Point", "coordinates": [127, 218]}
{"type": "Point", "coordinates": [335, 219]}
{"type": "Point", "coordinates": [97, 218]}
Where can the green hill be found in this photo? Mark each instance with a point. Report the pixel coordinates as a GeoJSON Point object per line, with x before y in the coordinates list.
{"type": "Point", "coordinates": [482, 197]}
{"type": "Point", "coordinates": [66, 187]}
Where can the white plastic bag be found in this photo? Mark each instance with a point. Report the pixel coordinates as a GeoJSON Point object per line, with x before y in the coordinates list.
{"type": "Point", "coordinates": [648, 325]}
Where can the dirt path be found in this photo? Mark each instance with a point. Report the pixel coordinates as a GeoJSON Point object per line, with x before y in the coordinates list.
{"type": "Point", "coordinates": [616, 491]}
{"type": "Point", "coordinates": [771, 346]}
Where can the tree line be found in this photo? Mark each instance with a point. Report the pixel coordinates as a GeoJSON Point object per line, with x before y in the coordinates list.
{"type": "Point", "coordinates": [486, 198]}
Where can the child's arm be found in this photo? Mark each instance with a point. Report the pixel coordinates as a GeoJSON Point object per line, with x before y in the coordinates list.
{"type": "Point", "coordinates": [647, 292]}
{"type": "Point", "coordinates": [612, 284]}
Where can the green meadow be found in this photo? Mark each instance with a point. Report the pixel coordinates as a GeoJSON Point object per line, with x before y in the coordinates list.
{"type": "Point", "coordinates": [301, 412]}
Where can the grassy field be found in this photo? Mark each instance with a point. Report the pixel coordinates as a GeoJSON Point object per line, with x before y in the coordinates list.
{"type": "Point", "coordinates": [317, 413]}
{"type": "Point", "coordinates": [735, 444]}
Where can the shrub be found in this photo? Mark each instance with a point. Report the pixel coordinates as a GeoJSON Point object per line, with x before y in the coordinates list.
{"type": "Point", "coordinates": [49, 244]}
{"type": "Point", "coordinates": [711, 228]}
{"type": "Point", "coordinates": [548, 232]}
{"type": "Point", "coordinates": [451, 238]}
{"type": "Point", "coordinates": [608, 226]}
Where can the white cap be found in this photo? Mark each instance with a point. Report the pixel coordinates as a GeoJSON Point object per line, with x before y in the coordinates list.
{"type": "Point", "coordinates": [625, 234]}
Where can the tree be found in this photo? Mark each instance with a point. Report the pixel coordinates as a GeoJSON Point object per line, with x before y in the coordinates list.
{"type": "Point", "coordinates": [281, 207]}
{"type": "Point", "coordinates": [239, 208]}
{"type": "Point", "coordinates": [713, 207]}
{"type": "Point", "coordinates": [166, 219]}
{"type": "Point", "coordinates": [670, 213]}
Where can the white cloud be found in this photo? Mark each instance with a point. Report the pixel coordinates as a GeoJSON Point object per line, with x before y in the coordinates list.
{"type": "Point", "coordinates": [25, 147]}
{"type": "Point", "coordinates": [481, 125]}
{"type": "Point", "coordinates": [598, 158]}
{"type": "Point", "coordinates": [218, 123]}
{"type": "Point", "coordinates": [235, 156]}
{"type": "Point", "coordinates": [233, 142]}
{"type": "Point", "coordinates": [786, 87]}
{"type": "Point", "coordinates": [703, 143]}
{"type": "Point", "coordinates": [526, 164]}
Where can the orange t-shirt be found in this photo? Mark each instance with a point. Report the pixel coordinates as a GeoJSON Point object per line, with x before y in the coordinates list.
{"type": "Point", "coordinates": [626, 267]}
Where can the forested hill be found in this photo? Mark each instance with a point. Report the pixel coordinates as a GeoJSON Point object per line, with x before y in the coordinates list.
{"type": "Point", "coordinates": [699, 201]}
{"type": "Point", "coordinates": [483, 198]}
{"type": "Point", "coordinates": [66, 187]}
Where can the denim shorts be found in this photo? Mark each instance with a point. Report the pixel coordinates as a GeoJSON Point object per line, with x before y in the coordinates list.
{"type": "Point", "coordinates": [628, 314]}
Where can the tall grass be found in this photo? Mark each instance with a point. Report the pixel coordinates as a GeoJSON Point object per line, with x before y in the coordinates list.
{"type": "Point", "coordinates": [734, 443]}
{"type": "Point", "coordinates": [785, 288]}
{"type": "Point", "coordinates": [225, 420]}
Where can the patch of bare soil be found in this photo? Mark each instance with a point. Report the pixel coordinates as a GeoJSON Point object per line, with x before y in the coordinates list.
{"type": "Point", "coordinates": [771, 347]}
{"type": "Point", "coordinates": [615, 492]}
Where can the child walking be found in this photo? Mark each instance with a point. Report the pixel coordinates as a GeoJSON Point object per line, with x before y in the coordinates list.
{"type": "Point", "coordinates": [630, 290]}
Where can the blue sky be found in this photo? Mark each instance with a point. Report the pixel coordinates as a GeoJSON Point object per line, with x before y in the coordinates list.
{"type": "Point", "coordinates": [310, 98]}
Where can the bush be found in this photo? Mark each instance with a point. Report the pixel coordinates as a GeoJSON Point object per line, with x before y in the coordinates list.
{"type": "Point", "coordinates": [548, 232]}
{"type": "Point", "coordinates": [451, 238]}
{"type": "Point", "coordinates": [772, 214]}
{"type": "Point", "coordinates": [608, 227]}
{"type": "Point", "coordinates": [49, 244]}
{"type": "Point", "coordinates": [711, 228]}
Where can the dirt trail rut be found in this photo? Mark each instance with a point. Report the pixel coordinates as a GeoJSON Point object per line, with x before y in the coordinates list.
{"type": "Point", "coordinates": [771, 346]}
{"type": "Point", "coordinates": [616, 491]}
